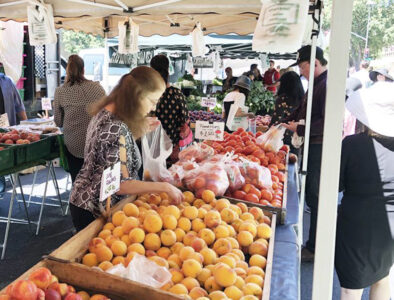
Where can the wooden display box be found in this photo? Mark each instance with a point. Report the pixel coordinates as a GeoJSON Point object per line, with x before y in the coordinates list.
{"type": "Point", "coordinates": [74, 249]}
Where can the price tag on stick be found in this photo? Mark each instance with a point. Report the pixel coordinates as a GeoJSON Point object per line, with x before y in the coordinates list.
{"type": "Point", "coordinates": [110, 184]}
{"type": "Point", "coordinates": [209, 131]}
{"type": "Point", "coordinates": [208, 102]}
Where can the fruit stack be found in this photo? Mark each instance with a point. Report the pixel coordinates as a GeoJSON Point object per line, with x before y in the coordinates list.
{"type": "Point", "coordinates": [200, 115]}
{"type": "Point", "coordinates": [18, 137]}
{"type": "Point", "coordinates": [262, 122]}
{"type": "Point", "coordinates": [211, 247]}
{"type": "Point", "coordinates": [43, 285]}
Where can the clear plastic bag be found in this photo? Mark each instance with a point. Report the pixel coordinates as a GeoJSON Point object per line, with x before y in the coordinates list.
{"type": "Point", "coordinates": [272, 140]}
{"type": "Point", "coordinates": [156, 148]}
{"type": "Point", "coordinates": [255, 174]}
{"type": "Point", "coordinates": [143, 270]}
{"type": "Point", "coordinates": [197, 152]}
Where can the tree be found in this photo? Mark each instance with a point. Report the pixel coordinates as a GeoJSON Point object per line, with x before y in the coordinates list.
{"type": "Point", "coordinates": [381, 29]}
{"type": "Point", "coordinates": [73, 41]}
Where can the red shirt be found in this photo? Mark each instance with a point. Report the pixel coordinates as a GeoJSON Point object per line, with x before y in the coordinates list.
{"type": "Point", "coordinates": [271, 77]}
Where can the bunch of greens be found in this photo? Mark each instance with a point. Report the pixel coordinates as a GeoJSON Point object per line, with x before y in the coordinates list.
{"type": "Point", "coordinates": [260, 101]}
{"type": "Point", "coordinates": [193, 103]}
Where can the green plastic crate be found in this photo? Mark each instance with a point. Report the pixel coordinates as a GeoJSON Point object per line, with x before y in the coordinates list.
{"type": "Point", "coordinates": [34, 151]}
{"type": "Point", "coordinates": [7, 157]}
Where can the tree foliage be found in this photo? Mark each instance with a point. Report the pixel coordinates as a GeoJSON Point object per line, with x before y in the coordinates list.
{"type": "Point", "coordinates": [73, 41]}
{"type": "Point", "coordinates": [381, 29]}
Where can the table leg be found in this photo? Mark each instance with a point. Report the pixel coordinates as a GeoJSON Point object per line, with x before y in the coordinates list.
{"type": "Point", "coordinates": [42, 203]}
{"type": "Point", "coordinates": [55, 183]}
{"type": "Point", "coordinates": [23, 198]}
{"type": "Point", "coordinates": [32, 187]}
{"type": "Point", "coordinates": [7, 229]}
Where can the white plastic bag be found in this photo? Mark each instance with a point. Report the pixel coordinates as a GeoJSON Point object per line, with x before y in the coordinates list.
{"type": "Point", "coordinates": [297, 140]}
{"type": "Point", "coordinates": [156, 148]}
{"type": "Point", "coordinates": [272, 140]}
{"type": "Point", "coordinates": [41, 24]}
{"type": "Point", "coordinates": [144, 271]}
{"type": "Point", "coordinates": [198, 43]}
{"type": "Point", "coordinates": [234, 122]}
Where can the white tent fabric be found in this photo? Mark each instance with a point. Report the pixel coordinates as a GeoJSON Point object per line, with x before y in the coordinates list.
{"type": "Point", "coordinates": [11, 49]}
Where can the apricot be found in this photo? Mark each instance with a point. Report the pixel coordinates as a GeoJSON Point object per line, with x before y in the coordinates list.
{"type": "Point", "coordinates": [159, 261]}
{"type": "Point", "coordinates": [239, 282]}
{"type": "Point", "coordinates": [211, 285]}
{"type": "Point", "coordinates": [246, 226]}
{"type": "Point", "coordinates": [202, 212]}
{"type": "Point", "coordinates": [99, 297]}
{"type": "Point", "coordinates": [198, 203]}
{"type": "Point", "coordinates": [118, 232]}
{"type": "Point", "coordinates": [125, 239]}
{"type": "Point", "coordinates": [168, 237]}
{"type": "Point", "coordinates": [224, 275]}
{"type": "Point", "coordinates": [198, 224]}
{"type": "Point", "coordinates": [136, 247]}
{"type": "Point", "coordinates": [105, 265]}
{"type": "Point", "coordinates": [178, 289]}
{"type": "Point", "coordinates": [196, 256]}
{"type": "Point", "coordinates": [119, 248]}
{"type": "Point", "coordinates": [41, 277]}
{"type": "Point", "coordinates": [264, 231]}
{"type": "Point", "coordinates": [118, 260]}
{"type": "Point", "coordinates": [198, 244]}
{"type": "Point", "coordinates": [236, 223]}
{"type": "Point", "coordinates": [233, 292]}
{"type": "Point", "coordinates": [118, 217]}
{"type": "Point", "coordinates": [222, 204]}
{"type": "Point", "coordinates": [212, 219]}
{"type": "Point", "coordinates": [245, 238]}
{"type": "Point", "coordinates": [234, 242]}
{"type": "Point", "coordinates": [129, 257]}
{"type": "Point", "coordinates": [189, 196]}
{"type": "Point", "coordinates": [190, 212]}
{"type": "Point", "coordinates": [252, 289]}
{"type": "Point", "coordinates": [105, 233]}
{"type": "Point", "coordinates": [136, 235]}
{"type": "Point", "coordinates": [84, 295]}
{"type": "Point", "coordinates": [258, 261]}
{"type": "Point", "coordinates": [207, 235]}
{"type": "Point", "coordinates": [152, 242]}
{"type": "Point", "coordinates": [176, 248]}
{"type": "Point", "coordinates": [90, 260]}
{"type": "Point", "coordinates": [189, 237]}
{"type": "Point", "coordinates": [258, 248]}
{"type": "Point", "coordinates": [190, 283]}
{"type": "Point", "coordinates": [243, 207]}
{"type": "Point", "coordinates": [180, 234]}
{"type": "Point", "coordinates": [221, 231]}
{"type": "Point", "coordinates": [208, 196]}
{"type": "Point", "coordinates": [240, 272]}
{"type": "Point", "coordinates": [185, 252]}
{"type": "Point", "coordinates": [129, 223]}
{"type": "Point", "coordinates": [228, 215]}
{"type": "Point", "coordinates": [164, 252]}
{"type": "Point", "coordinates": [254, 270]}
{"type": "Point", "coordinates": [173, 210]}
{"type": "Point", "coordinates": [247, 216]}
{"type": "Point", "coordinates": [256, 212]}
{"type": "Point", "coordinates": [242, 264]}
{"type": "Point", "coordinates": [169, 222]}
{"type": "Point", "coordinates": [153, 223]}
{"type": "Point", "coordinates": [217, 295]}
{"type": "Point", "coordinates": [204, 275]}
{"type": "Point", "coordinates": [255, 279]}
{"type": "Point", "coordinates": [174, 261]}
{"type": "Point", "coordinates": [197, 292]}
{"type": "Point", "coordinates": [239, 253]}
{"type": "Point", "coordinates": [131, 210]}
{"type": "Point", "coordinates": [184, 224]}
{"type": "Point", "coordinates": [191, 268]}
{"type": "Point", "coordinates": [222, 246]}
{"type": "Point", "coordinates": [228, 260]}
{"type": "Point", "coordinates": [249, 297]}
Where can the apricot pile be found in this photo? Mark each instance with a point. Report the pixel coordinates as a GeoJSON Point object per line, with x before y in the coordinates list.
{"type": "Point", "coordinates": [212, 248]}
{"type": "Point", "coordinates": [43, 285]}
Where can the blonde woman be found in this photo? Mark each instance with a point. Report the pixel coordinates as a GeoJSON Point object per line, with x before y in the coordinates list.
{"type": "Point", "coordinates": [118, 121]}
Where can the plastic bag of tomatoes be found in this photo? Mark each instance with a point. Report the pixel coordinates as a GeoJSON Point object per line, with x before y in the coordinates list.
{"type": "Point", "coordinates": [273, 138]}
{"type": "Point", "coordinates": [255, 174]}
{"type": "Point", "coordinates": [197, 152]}
{"type": "Point", "coordinates": [209, 176]}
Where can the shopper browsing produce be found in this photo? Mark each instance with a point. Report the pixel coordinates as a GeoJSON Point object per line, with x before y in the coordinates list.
{"type": "Point", "coordinates": [271, 78]}
{"type": "Point", "coordinates": [171, 109]}
{"type": "Point", "coordinates": [365, 233]}
{"type": "Point", "coordinates": [118, 120]}
{"type": "Point", "coordinates": [70, 107]}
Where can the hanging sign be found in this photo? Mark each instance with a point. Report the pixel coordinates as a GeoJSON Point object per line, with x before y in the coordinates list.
{"type": "Point", "coordinates": [4, 122]}
{"type": "Point", "coordinates": [281, 25]}
{"type": "Point", "coordinates": [41, 24]}
{"type": "Point", "coordinates": [209, 131]}
{"type": "Point", "coordinates": [208, 102]}
{"type": "Point", "coordinates": [46, 103]}
{"type": "Point", "coordinates": [110, 181]}
{"type": "Point", "coordinates": [198, 43]}
{"type": "Point", "coordinates": [128, 37]}
{"type": "Point", "coordinates": [202, 62]}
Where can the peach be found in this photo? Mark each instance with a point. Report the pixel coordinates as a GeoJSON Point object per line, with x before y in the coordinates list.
{"type": "Point", "coordinates": [185, 252]}
{"type": "Point", "coordinates": [90, 259]}
{"type": "Point", "coordinates": [131, 210]}
{"type": "Point", "coordinates": [40, 294]}
{"type": "Point", "coordinates": [136, 247]}
{"type": "Point", "coordinates": [234, 242]}
{"type": "Point", "coordinates": [217, 295]}
{"type": "Point", "coordinates": [189, 237]}
{"type": "Point", "coordinates": [236, 223]}
{"type": "Point", "coordinates": [118, 217]}
{"type": "Point", "coordinates": [125, 239]}
{"type": "Point", "coordinates": [169, 222]}
{"type": "Point", "coordinates": [198, 244]}
{"type": "Point", "coordinates": [255, 279]}
{"type": "Point", "coordinates": [178, 289]}
{"type": "Point", "coordinates": [196, 256]}
{"type": "Point", "coordinates": [176, 248]}
{"type": "Point", "coordinates": [185, 224]}
{"type": "Point", "coordinates": [191, 268]}
{"type": "Point", "coordinates": [168, 237]}
{"type": "Point", "coordinates": [190, 212]}
{"type": "Point", "coordinates": [222, 246]}
{"type": "Point", "coordinates": [118, 232]}
{"type": "Point", "coordinates": [73, 296]}
{"type": "Point", "coordinates": [6, 297]}
{"type": "Point", "coordinates": [129, 223]}
{"type": "Point", "coordinates": [221, 231]}
{"type": "Point", "coordinates": [154, 199]}
{"type": "Point", "coordinates": [84, 295]}
{"type": "Point", "coordinates": [228, 260]}
{"type": "Point", "coordinates": [129, 257]}
{"type": "Point", "coordinates": [228, 215]}
{"type": "Point", "coordinates": [239, 282]}
{"type": "Point", "coordinates": [174, 261]}
{"type": "Point", "coordinates": [232, 292]}
{"type": "Point", "coordinates": [264, 231]}
{"type": "Point", "coordinates": [236, 209]}
{"type": "Point", "coordinates": [119, 248]}
{"type": "Point", "coordinates": [99, 297]}
{"type": "Point", "coordinates": [252, 289]}
{"type": "Point", "coordinates": [258, 261]}
{"type": "Point", "coordinates": [167, 286]}
{"type": "Point", "coordinates": [240, 272]}
{"type": "Point", "coordinates": [209, 256]}
{"type": "Point", "coordinates": [180, 234]}
{"type": "Point", "coordinates": [136, 235]}
{"type": "Point", "coordinates": [109, 226]}
{"type": "Point", "coordinates": [189, 197]}
{"type": "Point", "coordinates": [105, 265]}
{"type": "Point", "coordinates": [173, 210]}
{"type": "Point", "coordinates": [153, 223]}
{"type": "Point", "coordinates": [152, 242]}
{"type": "Point", "coordinates": [211, 285]}
{"type": "Point", "coordinates": [212, 219]}
{"type": "Point", "coordinates": [150, 253]}
{"type": "Point", "coordinates": [197, 292]}
{"type": "Point", "coordinates": [267, 220]}
{"type": "Point", "coordinates": [198, 224]}
{"type": "Point", "coordinates": [52, 294]}
{"type": "Point", "coordinates": [207, 235]}
{"type": "Point", "coordinates": [24, 289]}
{"type": "Point", "coordinates": [198, 203]}
{"type": "Point", "coordinates": [159, 261]}
{"type": "Point", "coordinates": [61, 288]}
{"type": "Point", "coordinates": [256, 212]}
{"type": "Point", "coordinates": [245, 238]}
{"type": "Point", "coordinates": [42, 277]}
{"type": "Point", "coordinates": [224, 275]}
{"type": "Point", "coordinates": [109, 240]}
{"type": "Point", "coordinates": [256, 271]}
{"type": "Point", "coordinates": [202, 212]}
{"type": "Point", "coordinates": [204, 275]}
{"type": "Point", "coordinates": [247, 216]}
{"type": "Point", "coordinates": [234, 256]}
{"type": "Point", "coordinates": [222, 204]}
{"type": "Point", "coordinates": [105, 233]}
{"type": "Point", "coordinates": [242, 264]}
{"type": "Point", "coordinates": [246, 226]}
{"type": "Point", "coordinates": [117, 260]}
{"type": "Point", "coordinates": [240, 254]}
{"type": "Point", "coordinates": [177, 275]}
{"type": "Point", "coordinates": [190, 283]}
{"type": "Point", "coordinates": [164, 196]}
{"type": "Point", "coordinates": [164, 252]}
{"type": "Point", "coordinates": [208, 196]}
{"type": "Point", "coordinates": [258, 248]}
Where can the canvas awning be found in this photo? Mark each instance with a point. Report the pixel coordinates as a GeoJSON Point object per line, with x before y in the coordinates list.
{"type": "Point", "coordinates": [154, 16]}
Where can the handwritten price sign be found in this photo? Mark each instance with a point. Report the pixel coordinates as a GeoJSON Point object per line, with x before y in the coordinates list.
{"type": "Point", "coordinates": [209, 131]}
{"type": "Point", "coordinates": [208, 102]}
{"type": "Point", "coordinates": [4, 120]}
{"type": "Point", "coordinates": [46, 104]}
{"type": "Point", "coordinates": [110, 181]}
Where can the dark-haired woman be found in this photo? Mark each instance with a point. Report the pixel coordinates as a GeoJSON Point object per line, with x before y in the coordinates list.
{"type": "Point", "coordinates": [71, 101]}
{"type": "Point", "coordinates": [171, 109]}
{"type": "Point", "coordinates": [289, 97]}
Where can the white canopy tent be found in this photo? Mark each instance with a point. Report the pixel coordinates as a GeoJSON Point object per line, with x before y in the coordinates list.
{"type": "Point", "coordinates": [223, 17]}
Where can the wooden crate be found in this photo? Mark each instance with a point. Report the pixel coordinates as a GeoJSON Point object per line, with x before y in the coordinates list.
{"type": "Point", "coordinates": [74, 249]}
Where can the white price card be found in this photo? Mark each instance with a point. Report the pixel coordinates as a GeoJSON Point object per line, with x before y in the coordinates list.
{"type": "Point", "coordinates": [46, 104]}
{"type": "Point", "coordinates": [208, 102]}
{"type": "Point", "coordinates": [4, 122]}
{"type": "Point", "coordinates": [110, 182]}
{"type": "Point", "coordinates": [209, 131]}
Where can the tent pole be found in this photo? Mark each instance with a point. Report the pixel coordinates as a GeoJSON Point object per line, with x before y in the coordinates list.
{"type": "Point", "coordinates": [331, 155]}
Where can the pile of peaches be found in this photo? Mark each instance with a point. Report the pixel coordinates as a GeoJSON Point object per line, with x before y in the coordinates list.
{"type": "Point", "coordinates": [43, 285]}
{"type": "Point", "coordinates": [213, 249]}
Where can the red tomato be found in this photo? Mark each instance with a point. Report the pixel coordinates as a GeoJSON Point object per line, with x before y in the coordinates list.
{"type": "Point", "coordinates": [248, 150]}
{"type": "Point", "coordinates": [250, 133]}
{"type": "Point", "coordinates": [252, 198]}
{"type": "Point", "coordinates": [228, 149]}
{"type": "Point", "coordinates": [247, 187]}
{"type": "Point", "coordinates": [239, 195]}
{"type": "Point", "coordinates": [276, 204]}
{"type": "Point", "coordinates": [281, 167]}
{"type": "Point", "coordinates": [275, 178]}
{"type": "Point", "coordinates": [282, 154]}
{"type": "Point", "coordinates": [273, 168]}
{"type": "Point", "coordinates": [265, 202]}
{"type": "Point", "coordinates": [258, 133]}
{"type": "Point", "coordinates": [266, 195]}
{"type": "Point", "coordinates": [246, 139]}
{"type": "Point", "coordinates": [285, 148]}
{"type": "Point", "coordinates": [281, 176]}
{"type": "Point", "coordinates": [255, 191]}
{"type": "Point", "coordinates": [275, 185]}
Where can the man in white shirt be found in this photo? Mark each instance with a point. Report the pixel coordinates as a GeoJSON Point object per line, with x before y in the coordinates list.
{"type": "Point", "coordinates": [363, 74]}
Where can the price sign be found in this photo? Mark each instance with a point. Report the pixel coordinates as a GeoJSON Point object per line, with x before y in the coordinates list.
{"type": "Point", "coordinates": [110, 182]}
{"type": "Point", "coordinates": [208, 102]}
{"type": "Point", "coordinates": [209, 131]}
{"type": "Point", "coordinates": [4, 122]}
{"type": "Point", "coordinates": [46, 104]}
